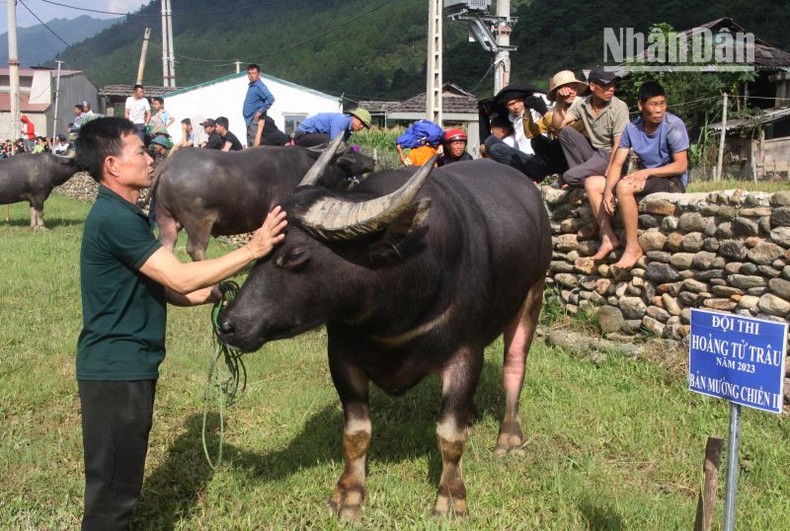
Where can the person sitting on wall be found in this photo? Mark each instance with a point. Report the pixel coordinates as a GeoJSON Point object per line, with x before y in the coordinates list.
{"type": "Point", "coordinates": [230, 142]}
{"type": "Point", "coordinates": [660, 141]}
{"type": "Point", "coordinates": [271, 134]}
{"type": "Point", "coordinates": [527, 110]}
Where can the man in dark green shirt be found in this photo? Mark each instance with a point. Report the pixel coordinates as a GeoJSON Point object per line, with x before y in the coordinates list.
{"type": "Point", "coordinates": [127, 278]}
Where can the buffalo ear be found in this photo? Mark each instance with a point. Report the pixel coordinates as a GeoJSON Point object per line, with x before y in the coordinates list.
{"type": "Point", "coordinates": [388, 246]}
{"type": "Point", "coordinates": [293, 259]}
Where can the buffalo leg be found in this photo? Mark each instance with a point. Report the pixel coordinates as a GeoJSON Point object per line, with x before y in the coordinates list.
{"type": "Point", "coordinates": [518, 337]}
{"type": "Point", "coordinates": [459, 381]}
{"type": "Point", "coordinates": [353, 387]}
{"type": "Point", "coordinates": [37, 213]}
{"type": "Point", "coordinates": [168, 227]}
{"type": "Point", "coordinates": [199, 233]}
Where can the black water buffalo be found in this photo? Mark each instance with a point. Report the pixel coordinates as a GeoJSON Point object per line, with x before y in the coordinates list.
{"type": "Point", "coordinates": [31, 177]}
{"type": "Point", "coordinates": [410, 282]}
{"type": "Point", "coordinates": [214, 193]}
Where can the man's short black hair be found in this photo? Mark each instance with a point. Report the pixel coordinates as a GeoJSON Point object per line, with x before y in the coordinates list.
{"type": "Point", "coordinates": [187, 121]}
{"type": "Point", "coordinates": [160, 100]}
{"type": "Point", "coordinates": [253, 66]}
{"type": "Point", "coordinates": [650, 89]}
{"type": "Point", "coordinates": [99, 139]}
{"type": "Point", "coordinates": [500, 120]}
{"type": "Point", "coordinates": [222, 121]}
{"type": "Point", "coordinates": [137, 86]}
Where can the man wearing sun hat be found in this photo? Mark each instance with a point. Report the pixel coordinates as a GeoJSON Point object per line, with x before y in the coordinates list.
{"type": "Point", "coordinates": [325, 126]}
{"type": "Point", "coordinates": [589, 157]}
{"type": "Point", "coordinates": [603, 115]}
{"type": "Point", "coordinates": [564, 90]}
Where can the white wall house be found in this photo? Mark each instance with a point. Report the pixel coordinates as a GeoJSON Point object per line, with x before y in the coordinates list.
{"type": "Point", "coordinates": [225, 97]}
{"type": "Point", "coordinates": [37, 93]}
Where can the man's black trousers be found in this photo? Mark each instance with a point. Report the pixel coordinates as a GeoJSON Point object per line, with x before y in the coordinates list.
{"type": "Point", "coordinates": [116, 421]}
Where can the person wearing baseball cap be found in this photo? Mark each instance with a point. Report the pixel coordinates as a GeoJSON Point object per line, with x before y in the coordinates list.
{"type": "Point", "coordinates": [323, 127]}
{"type": "Point", "coordinates": [214, 139]}
{"type": "Point", "coordinates": [589, 154]}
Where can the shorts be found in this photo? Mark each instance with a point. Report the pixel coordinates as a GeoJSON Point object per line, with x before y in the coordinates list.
{"type": "Point", "coordinates": [672, 185]}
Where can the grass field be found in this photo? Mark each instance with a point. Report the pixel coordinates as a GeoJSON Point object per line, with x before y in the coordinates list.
{"type": "Point", "coordinates": [612, 444]}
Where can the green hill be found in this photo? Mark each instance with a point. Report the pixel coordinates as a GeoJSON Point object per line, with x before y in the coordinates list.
{"type": "Point", "coordinates": [367, 49]}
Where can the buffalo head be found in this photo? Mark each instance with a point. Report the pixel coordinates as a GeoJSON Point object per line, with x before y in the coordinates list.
{"type": "Point", "coordinates": [348, 159]}
{"type": "Point", "coordinates": [323, 269]}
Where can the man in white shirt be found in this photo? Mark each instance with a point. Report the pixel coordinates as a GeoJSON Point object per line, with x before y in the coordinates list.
{"type": "Point", "coordinates": [525, 110]}
{"type": "Point", "coordinates": [138, 110]}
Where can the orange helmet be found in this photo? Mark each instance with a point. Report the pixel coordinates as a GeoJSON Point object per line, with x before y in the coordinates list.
{"type": "Point", "coordinates": [452, 135]}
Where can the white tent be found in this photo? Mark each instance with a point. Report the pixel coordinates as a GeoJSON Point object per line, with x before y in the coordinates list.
{"type": "Point", "coordinates": [225, 97]}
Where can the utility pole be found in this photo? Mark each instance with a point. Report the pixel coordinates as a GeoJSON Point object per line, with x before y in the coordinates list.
{"type": "Point", "coordinates": [13, 70]}
{"type": "Point", "coordinates": [502, 32]}
{"type": "Point", "coordinates": [165, 51]}
{"type": "Point", "coordinates": [13, 74]}
{"type": "Point", "coordinates": [171, 55]}
{"type": "Point", "coordinates": [141, 64]}
{"type": "Point", "coordinates": [491, 31]}
{"type": "Point", "coordinates": [433, 93]}
{"type": "Point", "coordinates": [57, 98]}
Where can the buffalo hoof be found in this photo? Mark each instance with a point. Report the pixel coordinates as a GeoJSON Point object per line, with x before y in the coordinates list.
{"type": "Point", "coordinates": [510, 442]}
{"type": "Point", "coordinates": [449, 506]}
{"type": "Point", "coordinates": [347, 505]}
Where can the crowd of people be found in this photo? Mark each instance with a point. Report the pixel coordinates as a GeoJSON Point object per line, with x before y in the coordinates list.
{"type": "Point", "coordinates": [579, 131]}
{"type": "Point", "coordinates": [30, 142]}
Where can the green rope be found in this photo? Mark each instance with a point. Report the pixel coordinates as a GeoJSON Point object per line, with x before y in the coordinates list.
{"type": "Point", "coordinates": [224, 380]}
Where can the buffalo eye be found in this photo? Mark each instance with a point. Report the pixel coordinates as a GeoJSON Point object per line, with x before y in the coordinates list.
{"type": "Point", "coordinates": [293, 258]}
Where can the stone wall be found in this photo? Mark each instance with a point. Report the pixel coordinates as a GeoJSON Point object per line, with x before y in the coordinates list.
{"type": "Point", "coordinates": [723, 250]}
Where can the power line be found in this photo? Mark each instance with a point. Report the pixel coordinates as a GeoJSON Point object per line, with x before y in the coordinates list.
{"type": "Point", "coordinates": [175, 11]}
{"type": "Point", "coordinates": [86, 9]}
{"type": "Point", "coordinates": [61, 39]}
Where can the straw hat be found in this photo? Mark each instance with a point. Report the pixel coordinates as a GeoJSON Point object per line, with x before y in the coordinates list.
{"type": "Point", "coordinates": [563, 78]}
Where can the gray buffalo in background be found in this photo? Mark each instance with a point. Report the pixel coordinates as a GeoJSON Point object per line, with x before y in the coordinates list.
{"type": "Point", "coordinates": [216, 193]}
{"type": "Point", "coordinates": [411, 280]}
{"type": "Point", "coordinates": [31, 177]}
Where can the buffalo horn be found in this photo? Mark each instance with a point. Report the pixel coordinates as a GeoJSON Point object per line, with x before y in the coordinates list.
{"type": "Point", "coordinates": [334, 219]}
{"type": "Point", "coordinates": [317, 170]}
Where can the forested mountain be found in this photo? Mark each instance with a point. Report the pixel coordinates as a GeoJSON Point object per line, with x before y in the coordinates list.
{"type": "Point", "coordinates": [367, 49]}
{"type": "Point", "coordinates": [37, 44]}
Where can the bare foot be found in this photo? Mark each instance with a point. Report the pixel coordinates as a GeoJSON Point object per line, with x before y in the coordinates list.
{"type": "Point", "coordinates": [607, 246]}
{"type": "Point", "coordinates": [629, 258]}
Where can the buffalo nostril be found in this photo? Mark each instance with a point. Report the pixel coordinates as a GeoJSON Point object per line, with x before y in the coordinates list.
{"type": "Point", "coordinates": [226, 327]}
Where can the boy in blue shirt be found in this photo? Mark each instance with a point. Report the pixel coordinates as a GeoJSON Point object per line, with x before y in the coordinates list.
{"type": "Point", "coordinates": [660, 140]}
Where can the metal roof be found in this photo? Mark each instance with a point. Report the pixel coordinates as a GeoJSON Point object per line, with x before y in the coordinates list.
{"type": "Point", "coordinates": [28, 72]}
{"type": "Point", "coordinates": [767, 116]}
{"type": "Point", "coordinates": [126, 90]}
